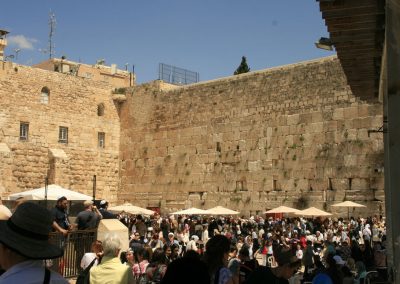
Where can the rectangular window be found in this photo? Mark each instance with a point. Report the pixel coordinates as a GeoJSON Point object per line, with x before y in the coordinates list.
{"type": "Point", "coordinates": [102, 139]}
{"type": "Point", "coordinates": [23, 131]}
{"type": "Point", "coordinates": [63, 134]}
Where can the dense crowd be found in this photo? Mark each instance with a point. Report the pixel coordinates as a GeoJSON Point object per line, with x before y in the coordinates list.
{"type": "Point", "coordinates": [342, 250]}
{"type": "Point", "coordinates": [197, 249]}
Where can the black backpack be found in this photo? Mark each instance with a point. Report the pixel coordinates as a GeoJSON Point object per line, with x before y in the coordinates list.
{"type": "Point", "coordinates": [84, 276]}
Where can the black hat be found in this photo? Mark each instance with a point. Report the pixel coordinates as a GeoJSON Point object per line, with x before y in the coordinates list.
{"type": "Point", "coordinates": [27, 232]}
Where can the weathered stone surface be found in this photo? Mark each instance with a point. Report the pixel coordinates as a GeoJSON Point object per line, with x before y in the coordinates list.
{"type": "Point", "coordinates": [72, 103]}
{"type": "Point", "coordinates": [291, 134]}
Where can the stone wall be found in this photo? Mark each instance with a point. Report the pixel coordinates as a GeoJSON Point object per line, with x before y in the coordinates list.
{"type": "Point", "coordinates": [73, 103]}
{"type": "Point", "coordinates": [292, 135]}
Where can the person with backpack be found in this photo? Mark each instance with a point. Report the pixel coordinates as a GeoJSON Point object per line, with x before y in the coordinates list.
{"type": "Point", "coordinates": [111, 270]}
{"type": "Point", "coordinates": [139, 269]}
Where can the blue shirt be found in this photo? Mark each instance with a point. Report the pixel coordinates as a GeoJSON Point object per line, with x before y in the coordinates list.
{"type": "Point", "coordinates": [30, 272]}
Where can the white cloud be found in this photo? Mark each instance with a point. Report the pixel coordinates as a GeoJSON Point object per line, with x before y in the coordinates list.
{"type": "Point", "coordinates": [21, 41]}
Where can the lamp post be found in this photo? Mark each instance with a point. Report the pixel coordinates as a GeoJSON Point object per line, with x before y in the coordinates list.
{"type": "Point", "coordinates": [94, 188]}
{"type": "Point", "coordinates": [46, 185]}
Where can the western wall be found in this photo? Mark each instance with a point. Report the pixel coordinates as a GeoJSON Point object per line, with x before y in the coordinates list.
{"type": "Point", "coordinates": [292, 135]}
{"type": "Point", "coordinates": [73, 103]}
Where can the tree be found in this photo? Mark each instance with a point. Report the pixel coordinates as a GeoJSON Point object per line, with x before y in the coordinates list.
{"type": "Point", "coordinates": [243, 67]}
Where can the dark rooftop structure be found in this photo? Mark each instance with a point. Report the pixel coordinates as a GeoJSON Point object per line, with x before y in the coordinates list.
{"type": "Point", "coordinates": [357, 30]}
{"type": "Point", "coordinates": [366, 35]}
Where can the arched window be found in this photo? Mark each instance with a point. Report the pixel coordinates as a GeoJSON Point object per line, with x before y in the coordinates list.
{"type": "Point", "coordinates": [45, 95]}
{"type": "Point", "coordinates": [100, 109]}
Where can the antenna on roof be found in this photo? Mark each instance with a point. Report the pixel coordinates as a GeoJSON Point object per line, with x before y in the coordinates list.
{"type": "Point", "coordinates": [17, 50]}
{"type": "Point", "coordinates": [52, 24]}
{"type": "Point", "coordinates": [100, 62]}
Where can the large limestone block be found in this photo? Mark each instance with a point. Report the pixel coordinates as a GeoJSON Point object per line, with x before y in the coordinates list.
{"type": "Point", "coordinates": [113, 226]}
{"type": "Point", "coordinates": [4, 148]}
{"type": "Point", "coordinates": [58, 154]}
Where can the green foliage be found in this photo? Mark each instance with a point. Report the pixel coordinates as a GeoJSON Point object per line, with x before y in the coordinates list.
{"type": "Point", "coordinates": [158, 170]}
{"type": "Point", "coordinates": [243, 67]}
{"type": "Point", "coordinates": [119, 91]}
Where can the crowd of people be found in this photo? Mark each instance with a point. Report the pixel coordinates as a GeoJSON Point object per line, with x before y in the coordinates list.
{"type": "Point", "coordinates": [196, 249]}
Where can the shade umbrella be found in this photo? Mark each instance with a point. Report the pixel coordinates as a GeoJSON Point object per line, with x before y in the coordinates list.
{"type": "Point", "coordinates": [54, 192]}
{"type": "Point", "coordinates": [219, 210]}
{"type": "Point", "coordinates": [313, 212]}
{"type": "Point", "coordinates": [5, 213]}
{"type": "Point", "coordinates": [282, 209]}
{"type": "Point", "coordinates": [348, 204]}
{"type": "Point", "coordinates": [132, 209]}
{"type": "Point", "coordinates": [190, 211]}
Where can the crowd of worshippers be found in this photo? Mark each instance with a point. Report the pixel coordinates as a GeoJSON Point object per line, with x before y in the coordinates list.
{"type": "Point", "coordinates": [192, 249]}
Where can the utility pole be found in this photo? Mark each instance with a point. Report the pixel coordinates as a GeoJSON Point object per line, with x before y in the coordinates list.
{"type": "Point", "coordinates": [52, 24]}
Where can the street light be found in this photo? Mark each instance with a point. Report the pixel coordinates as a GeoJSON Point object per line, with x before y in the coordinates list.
{"type": "Point", "coordinates": [324, 43]}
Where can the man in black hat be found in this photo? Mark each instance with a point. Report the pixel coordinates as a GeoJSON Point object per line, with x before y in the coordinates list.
{"type": "Point", "coordinates": [104, 212]}
{"type": "Point", "coordinates": [24, 243]}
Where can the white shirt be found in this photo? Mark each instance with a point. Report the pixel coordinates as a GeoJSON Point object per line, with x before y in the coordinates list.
{"type": "Point", "coordinates": [87, 259]}
{"type": "Point", "coordinates": [30, 272]}
{"type": "Point", "coordinates": [204, 236]}
{"type": "Point", "coordinates": [191, 245]}
{"type": "Point", "coordinates": [299, 254]}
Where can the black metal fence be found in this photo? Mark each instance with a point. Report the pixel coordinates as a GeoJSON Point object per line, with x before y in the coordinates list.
{"type": "Point", "coordinates": [75, 245]}
{"type": "Point", "coordinates": [176, 75]}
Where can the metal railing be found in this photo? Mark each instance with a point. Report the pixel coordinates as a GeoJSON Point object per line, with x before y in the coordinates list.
{"type": "Point", "coordinates": [75, 245]}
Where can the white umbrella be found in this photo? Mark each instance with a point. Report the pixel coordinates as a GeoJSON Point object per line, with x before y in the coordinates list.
{"type": "Point", "coordinates": [282, 209]}
{"type": "Point", "coordinates": [219, 210]}
{"type": "Point", "coordinates": [132, 209]}
{"type": "Point", "coordinates": [312, 211]}
{"type": "Point", "coordinates": [190, 211]}
{"type": "Point", "coordinates": [53, 193]}
{"type": "Point", "coordinates": [348, 204]}
{"type": "Point", "coordinates": [5, 213]}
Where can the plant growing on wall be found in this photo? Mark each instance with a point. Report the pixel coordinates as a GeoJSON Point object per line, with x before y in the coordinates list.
{"type": "Point", "coordinates": [119, 91]}
{"type": "Point", "coordinates": [302, 202]}
{"type": "Point", "coordinates": [243, 67]}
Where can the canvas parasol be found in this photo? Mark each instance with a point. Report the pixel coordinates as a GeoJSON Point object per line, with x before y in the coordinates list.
{"type": "Point", "coordinates": [349, 204]}
{"type": "Point", "coordinates": [54, 192]}
{"type": "Point", "coordinates": [219, 210]}
{"type": "Point", "coordinates": [190, 211]}
{"type": "Point", "coordinates": [5, 213]}
{"type": "Point", "coordinates": [132, 209]}
{"type": "Point", "coordinates": [282, 209]}
{"type": "Point", "coordinates": [313, 212]}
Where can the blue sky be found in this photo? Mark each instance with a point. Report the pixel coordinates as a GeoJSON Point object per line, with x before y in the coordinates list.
{"type": "Point", "coordinates": [206, 36]}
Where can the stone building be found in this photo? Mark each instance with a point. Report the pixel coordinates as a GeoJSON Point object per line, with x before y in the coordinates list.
{"type": "Point", "coordinates": [292, 135]}
{"type": "Point", "coordinates": [58, 125]}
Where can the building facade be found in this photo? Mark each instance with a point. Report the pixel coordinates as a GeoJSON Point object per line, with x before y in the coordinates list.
{"type": "Point", "coordinates": [60, 126]}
